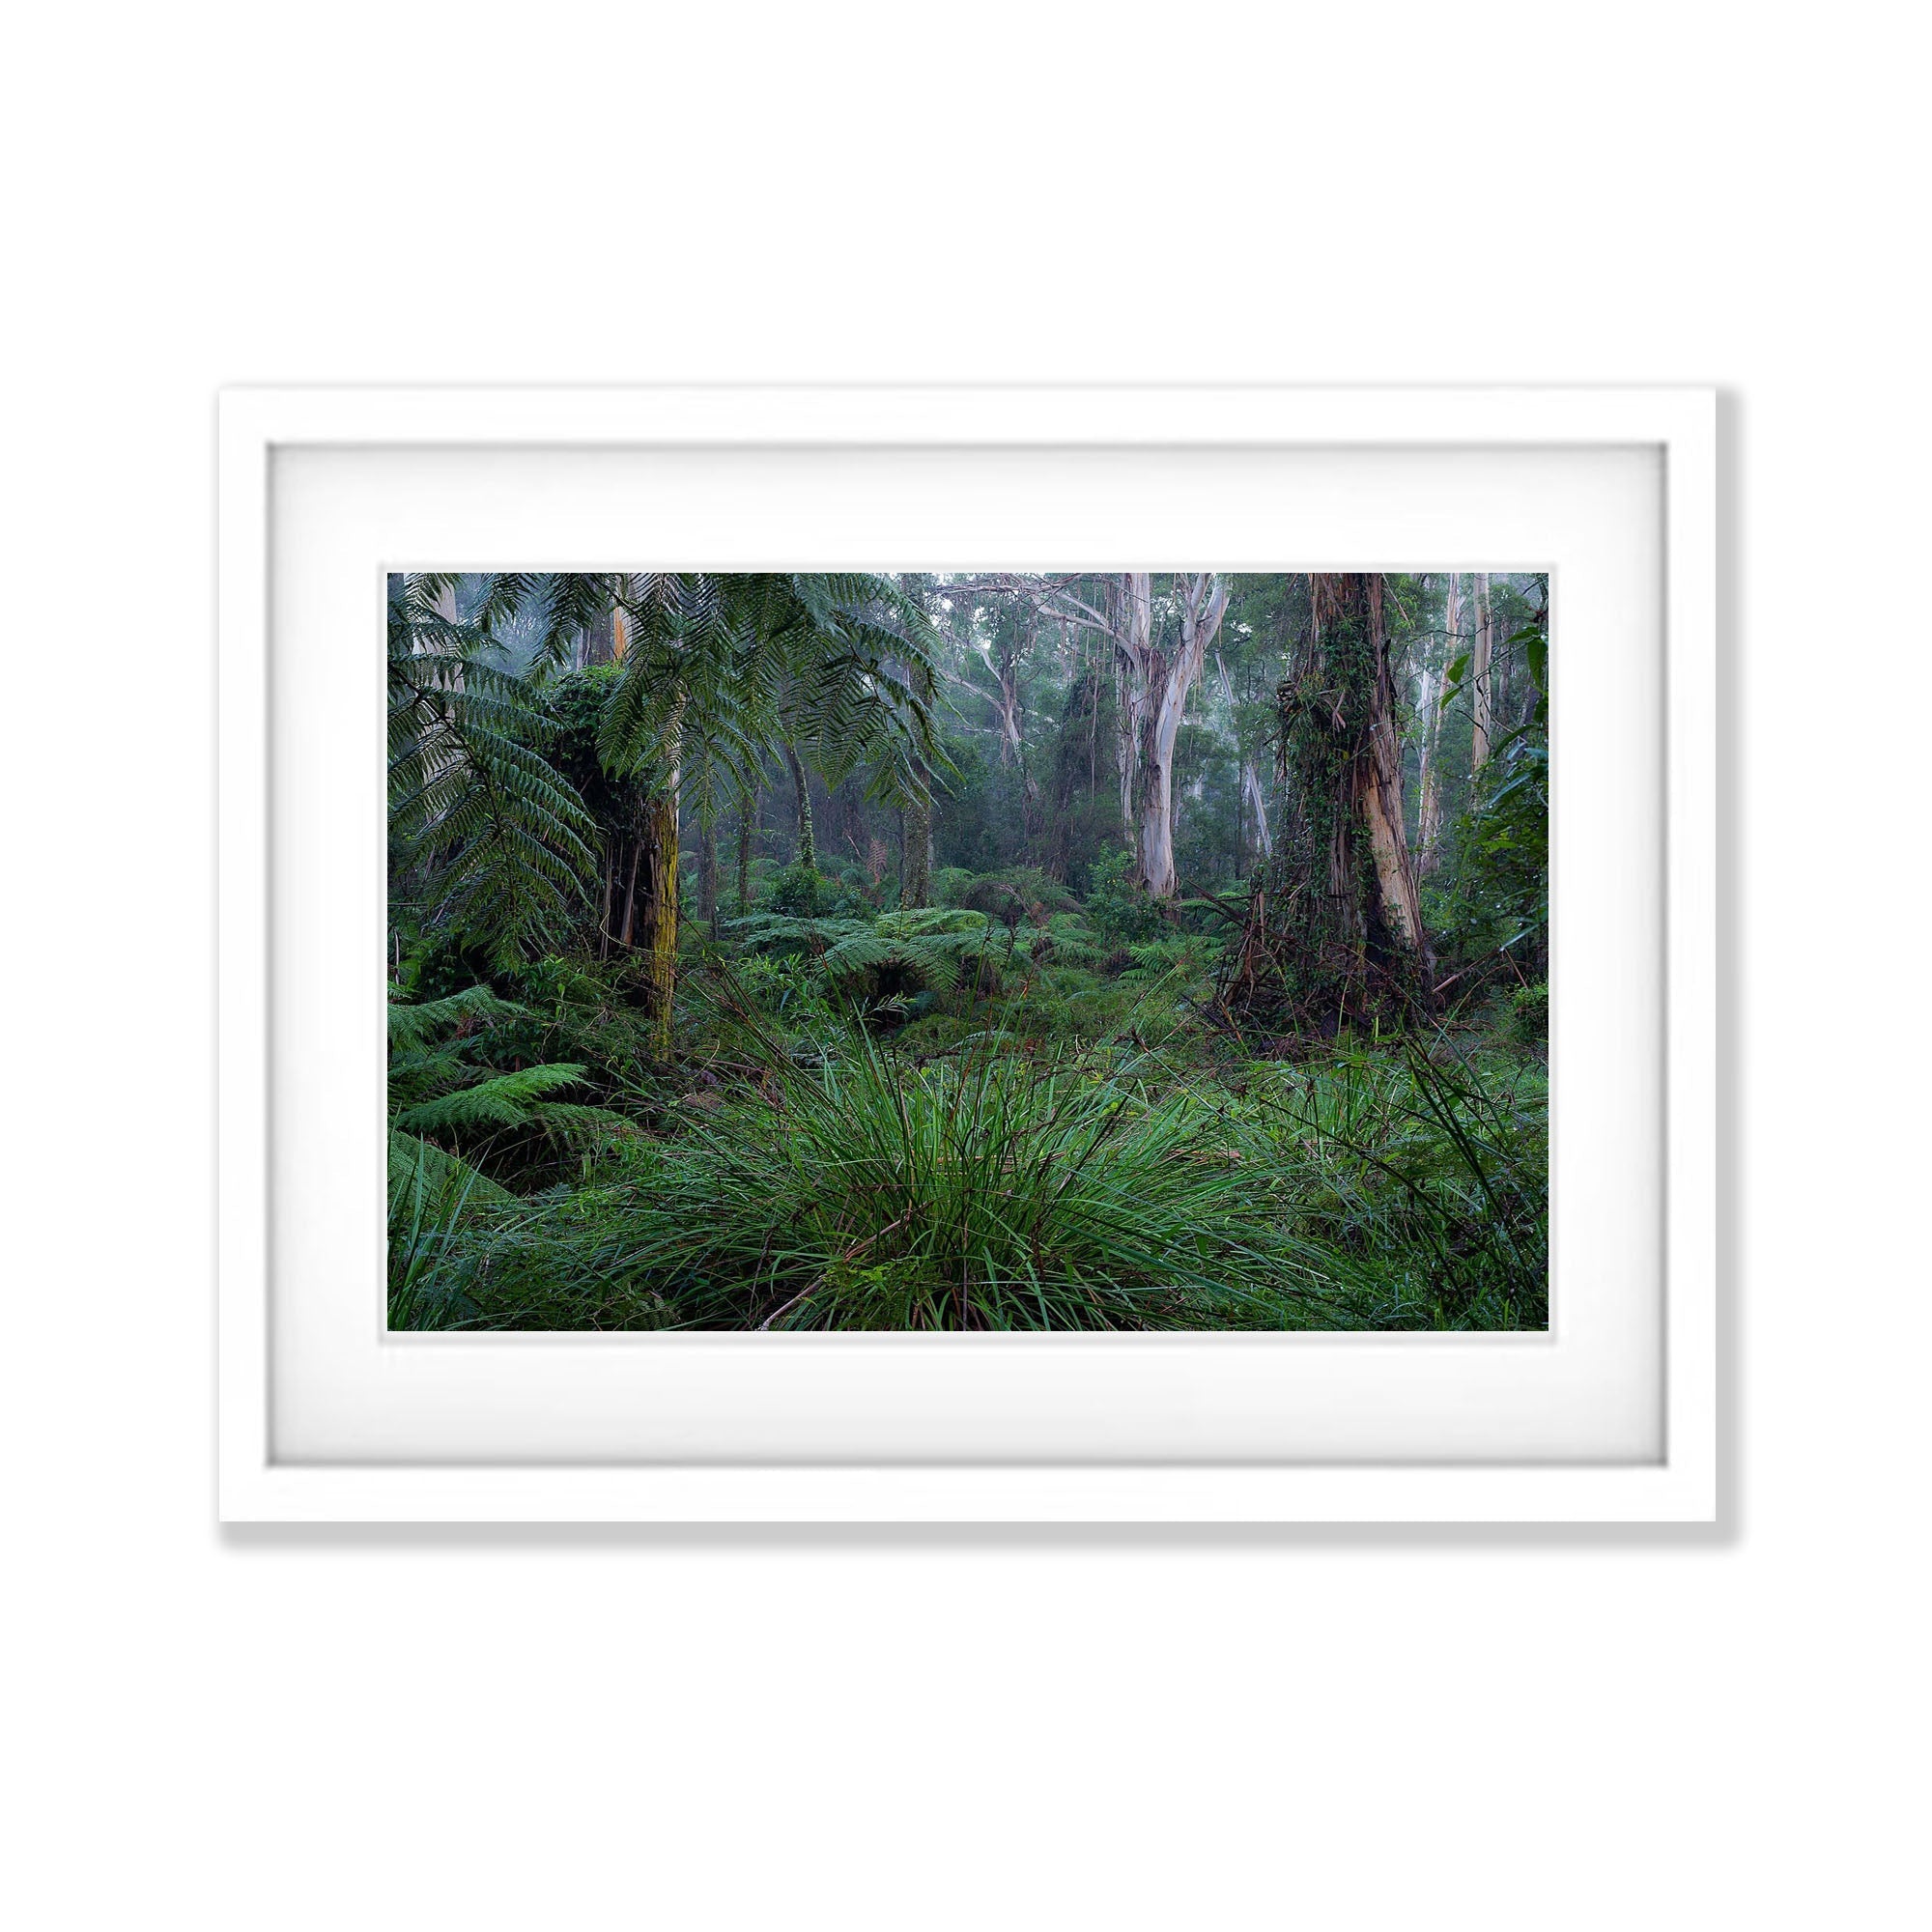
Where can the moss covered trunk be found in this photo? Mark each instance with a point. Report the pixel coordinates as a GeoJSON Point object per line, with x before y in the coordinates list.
{"type": "Point", "coordinates": [806, 854]}
{"type": "Point", "coordinates": [916, 850]}
{"type": "Point", "coordinates": [1335, 933]}
{"type": "Point", "coordinates": [657, 921]}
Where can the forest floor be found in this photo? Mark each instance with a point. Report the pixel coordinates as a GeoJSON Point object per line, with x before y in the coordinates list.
{"type": "Point", "coordinates": [1016, 1109]}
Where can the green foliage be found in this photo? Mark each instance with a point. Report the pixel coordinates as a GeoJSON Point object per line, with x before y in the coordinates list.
{"type": "Point", "coordinates": [1021, 895]}
{"type": "Point", "coordinates": [412, 1025]}
{"type": "Point", "coordinates": [799, 888]}
{"type": "Point", "coordinates": [1017, 1106]}
{"type": "Point", "coordinates": [837, 665]}
{"type": "Point", "coordinates": [773, 931]}
{"type": "Point", "coordinates": [1499, 896]}
{"type": "Point", "coordinates": [492, 847]}
{"type": "Point", "coordinates": [433, 1198]}
{"type": "Point", "coordinates": [924, 950]}
{"type": "Point", "coordinates": [993, 1193]}
{"type": "Point", "coordinates": [1422, 1180]}
{"type": "Point", "coordinates": [1117, 909]}
{"type": "Point", "coordinates": [506, 787]}
{"type": "Point", "coordinates": [887, 958]}
{"type": "Point", "coordinates": [1527, 1021]}
{"type": "Point", "coordinates": [455, 1120]}
{"type": "Point", "coordinates": [498, 1100]}
{"type": "Point", "coordinates": [988, 1188]}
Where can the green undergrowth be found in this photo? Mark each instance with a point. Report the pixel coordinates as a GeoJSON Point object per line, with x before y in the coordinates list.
{"type": "Point", "coordinates": [988, 1116]}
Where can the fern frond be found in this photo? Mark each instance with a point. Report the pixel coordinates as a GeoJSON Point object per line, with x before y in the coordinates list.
{"type": "Point", "coordinates": [504, 1100]}
{"type": "Point", "coordinates": [412, 1025]}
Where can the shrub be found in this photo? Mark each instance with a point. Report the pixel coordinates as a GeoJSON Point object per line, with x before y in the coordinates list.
{"type": "Point", "coordinates": [1528, 1020]}
{"type": "Point", "coordinates": [1120, 910]}
{"type": "Point", "coordinates": [799, 890]}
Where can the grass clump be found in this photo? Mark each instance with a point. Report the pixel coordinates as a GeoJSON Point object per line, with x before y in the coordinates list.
{"type": "Point", "coordinates": [982, 1192]}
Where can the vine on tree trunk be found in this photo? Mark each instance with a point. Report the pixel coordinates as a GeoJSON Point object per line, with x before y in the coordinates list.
{"type": "Point", "coordinates": [1334, 933]}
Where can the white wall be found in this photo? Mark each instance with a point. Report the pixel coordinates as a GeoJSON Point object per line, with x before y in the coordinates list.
{"type": "Point", "coordinates": [587, 1731]}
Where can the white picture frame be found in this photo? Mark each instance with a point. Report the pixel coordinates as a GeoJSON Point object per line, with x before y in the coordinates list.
{"type": "Point", "coordinates": [1357, 1459]}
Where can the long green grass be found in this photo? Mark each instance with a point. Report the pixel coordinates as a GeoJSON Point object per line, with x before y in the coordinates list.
{"type": "Point", "coordinates": [1421, 1176]}
{"type": "Point", "coordinates": [985, 1192]}
{"type": "Point", "coordinates": [990, 1190]}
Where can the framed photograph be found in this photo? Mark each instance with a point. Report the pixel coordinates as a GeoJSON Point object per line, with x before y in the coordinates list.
{"type": "Point", "coordinates": [831, 955]}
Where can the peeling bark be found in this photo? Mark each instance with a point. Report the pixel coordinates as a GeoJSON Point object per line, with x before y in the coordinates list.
{"type": "Point", "coordinates": [1154, 692]}
{"type": "Point", "coordinates": [1335, 934]}
{"type": "Point", "coordinates": [657, 910]}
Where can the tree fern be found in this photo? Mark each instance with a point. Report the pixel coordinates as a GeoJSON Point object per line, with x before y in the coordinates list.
{"type": "Point", "coordinates": [496, 843]}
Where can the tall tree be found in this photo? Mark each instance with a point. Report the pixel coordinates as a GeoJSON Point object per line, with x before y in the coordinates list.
{"type": "Point", "coordinates": [1075, 757]}
{"type": "Point", "coordinates": [1428, 718]}
{"type": "Point", "coordinates": [748, 810]}
{"type": "Point", "coordinates": [1156, 666]}
{"type": "Point", "coordinates": [1335, 927]}
{"type": "Point", "coordinates": [804, 851]}
{"type": "Point", "coordinates": [1251, 783]}
{"type": "Point", "coordinates": [916, 841]}
{"type": "Point", "coordinates": [916, 799]}
{"type": "Point", "coordinates": [1163, 679]}
{"type": "Point", "coordinates": [1480, 671]}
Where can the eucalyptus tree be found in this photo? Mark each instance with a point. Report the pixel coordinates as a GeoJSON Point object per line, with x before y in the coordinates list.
{"type": "Point", "coordinates": [1348, 695]}
{"type": "Point", "coordinates": [1160, 644]}
{"type": "Point", "coordinates": [1335, 930]}
{"type": "Point", "coordinates": [1253, 795]}
{"type": "Point", "coordinates": [1431, 694]}
{"type": "Point", "coordinates": [1482, 695]}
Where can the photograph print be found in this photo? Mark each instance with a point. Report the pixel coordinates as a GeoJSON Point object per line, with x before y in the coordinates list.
{"type": "Point", "coordinates": [974, 950]}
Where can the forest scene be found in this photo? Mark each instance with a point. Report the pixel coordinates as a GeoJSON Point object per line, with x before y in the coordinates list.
{"type": "Point", "coordinates": [968, 951]}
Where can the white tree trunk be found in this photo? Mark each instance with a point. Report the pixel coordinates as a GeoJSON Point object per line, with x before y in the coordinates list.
{"type": "Point", "coordinates": [1382, 805]}
{"type": "Point", "coordinates": [1479, 755]}
{"type": "Point", "coordinates": [1131, 627]}
{"type": "Point", "coordinates": [1202, 599]}
{"type": "Point", "coordinates": [1251, 783]}
{"type": "Point", "coordinates": [1429, 813]}
{"type": "Point", "coordinates": [1151, 691]}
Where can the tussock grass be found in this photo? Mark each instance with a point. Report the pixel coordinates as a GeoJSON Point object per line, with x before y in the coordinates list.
{"type": "Point", "coordinates": [988, 1191]}
{"type": "Point", "coordinates": [860, 1189]}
